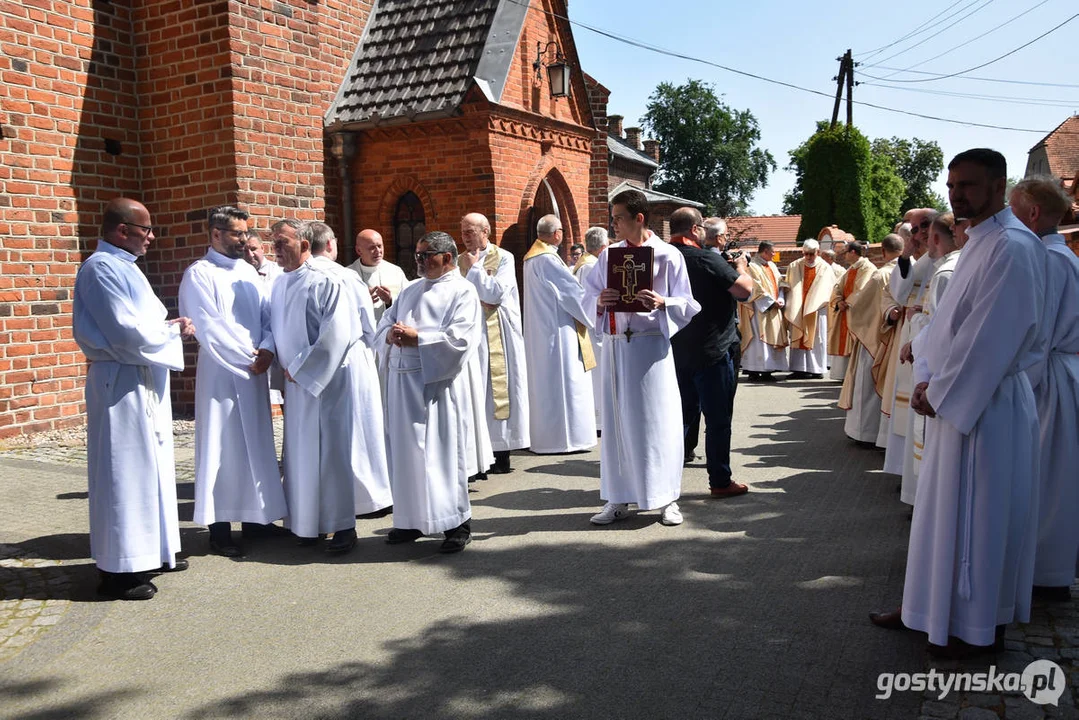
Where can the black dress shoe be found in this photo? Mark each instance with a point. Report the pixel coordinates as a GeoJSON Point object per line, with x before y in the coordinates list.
{"type": "Point", "coordinates": [126, 586]}
{"type": "Point", "coordinates": [1049, 593]}
{"type": "Point", "coordinates": [888, 620]}
{"type": "Point", "coordinates": [342, 542]}
{"type": "Point", "coordinates": [455, 542]}
{"type": "Point", "coordinates": [690, 458]}
{"type": "Point", "coordinates": [258, 530]}
{"type": "Point", "coordinates": [398, 536]}
{"type": "Point", "coordinates": [502, 463]}
{"type": "Point", "coordinates": [306, 541]}
{"type": "Point", "coordinates": [180, 566]}
{"type": "Point", "coordinates": [388, 510]}
{"type": "Point", "coordinates": [221, 542]}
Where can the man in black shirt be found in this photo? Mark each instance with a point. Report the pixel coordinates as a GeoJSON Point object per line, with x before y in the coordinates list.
{"type": "Point", "coordinates": [702, 350]}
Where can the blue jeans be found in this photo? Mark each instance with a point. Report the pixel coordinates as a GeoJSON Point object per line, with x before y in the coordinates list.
{"type": "Point", "coordinates": [710, 391]}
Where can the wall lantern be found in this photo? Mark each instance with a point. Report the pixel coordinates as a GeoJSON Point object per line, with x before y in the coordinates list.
{"type": "Point", "coordinates": [558, 73]}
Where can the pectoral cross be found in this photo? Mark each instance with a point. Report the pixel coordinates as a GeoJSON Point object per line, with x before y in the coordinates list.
{"type": "Point", "coordinates": [629, 270]}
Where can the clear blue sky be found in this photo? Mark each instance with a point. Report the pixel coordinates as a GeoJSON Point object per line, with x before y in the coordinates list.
{"type": "Point", "coordinates": [798, 43]}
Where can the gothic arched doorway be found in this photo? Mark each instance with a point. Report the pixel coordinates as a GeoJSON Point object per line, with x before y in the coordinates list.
{"type": "Point", "coordinates": [409, 225]}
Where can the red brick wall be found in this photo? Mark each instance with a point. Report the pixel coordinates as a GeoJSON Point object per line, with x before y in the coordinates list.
{"type": "Point", "coordinates": [206, 102]}
{"type": "Point", "coordinates": [67, 83]}
{"type": "Point", "coordinates": [598, 212]}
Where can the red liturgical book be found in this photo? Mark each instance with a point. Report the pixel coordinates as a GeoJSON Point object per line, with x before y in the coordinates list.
{"type": "Point", "coordinates": [629, 270]}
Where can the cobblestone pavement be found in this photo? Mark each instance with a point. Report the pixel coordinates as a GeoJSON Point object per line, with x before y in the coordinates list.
{"type": "Point", "coordinates": [755, 608]}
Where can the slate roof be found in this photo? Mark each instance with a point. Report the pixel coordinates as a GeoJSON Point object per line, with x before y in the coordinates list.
{"type": "Point", "coordinates": [774, 228]}
{"type": "Point", "coordinates": [655, 197]}
{"type": "Point", "coordinates": [418, 58]}
{"type": "Point", "coordinates": [1062, 148]}
{"type": "Point", "coordinates": [622, 149]}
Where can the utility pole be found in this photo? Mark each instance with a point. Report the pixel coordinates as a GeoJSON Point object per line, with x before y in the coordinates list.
{"type": "Point", "coordinates": [845, 78]}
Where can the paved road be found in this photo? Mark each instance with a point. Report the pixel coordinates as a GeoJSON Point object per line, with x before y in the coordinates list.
{"type": "Point", "coordinates": [754, 608]}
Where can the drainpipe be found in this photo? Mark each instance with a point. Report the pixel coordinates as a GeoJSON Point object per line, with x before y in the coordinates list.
{"type": "Point", "coordinates": [344, 150]}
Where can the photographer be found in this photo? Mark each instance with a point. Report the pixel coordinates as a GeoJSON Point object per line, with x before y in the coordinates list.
{"type": "Point", "coordinates": [703, 349]}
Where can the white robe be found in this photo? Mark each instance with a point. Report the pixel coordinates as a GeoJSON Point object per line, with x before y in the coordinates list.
{"type": "Point", "coordinates": [369, 464]}
{"type": "Point", "coordinates": [862, 421]}
{"type": "Point", "coordinates": [429, 402]}
{"type": "Point", "coordinates": [268, 272]}
{"type": "Point", "coordinates": [915, 440]}
{"type": "Point", "coordinates": [120, 326]}
{"type": "Point", "coordinates": [642, 452]}
{"type": "Point", "coordinates": [319, 336]}
{"type": "Point", "coordinates": [236, 473]}
{"type": "Point", "coordinates": [837, 364]}
{"type": "Point", "coordinates": [385, 274]}
{"type": "Point", "coordinates": [597, 347]}
{"type": "Point", "coordinates": [759, 356]}
{"type": "Point", "coordinates": [1056, 393]}
{"type": "Point", "coordinates": [562, 415]}
{"type": "Point", "coordinates": [500, 289]}
{"type": "Point", "coordinates": [905, 293]}
{"type": "Point", "coordinates": [970, 561]}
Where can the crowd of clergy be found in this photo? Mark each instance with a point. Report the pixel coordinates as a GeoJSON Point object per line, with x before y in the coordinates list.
{"type": "Point", "coordinates": [958, 356]}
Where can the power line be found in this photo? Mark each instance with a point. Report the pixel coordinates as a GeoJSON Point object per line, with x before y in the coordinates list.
{"type": "Point", "coordinates": [681, 56]}
{"type": "Point", "coordinates": [946, 27]}
{"type": "Point", "coordinates": [1045, 102]}
{"type": "Point", "coordinates": [950, 50]}
{"type": "Point", "coordinates": [984, 64]}
{"type": "Point", "coordinates": [979, 79]}
{"type": "Point", "coordinates": [870, 53]}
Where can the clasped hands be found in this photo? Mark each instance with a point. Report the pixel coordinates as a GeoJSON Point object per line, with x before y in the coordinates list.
{"type": "Point", "coordinates": [649, 298]}
{"type": "Point", "coordinates": [919, 403]}
{"type": "Point", "coordinates": [402, 336]}
{"type": "Point", "coordinates": [381, 292]}
{"type": "Point", "coordinates": [187, 326]}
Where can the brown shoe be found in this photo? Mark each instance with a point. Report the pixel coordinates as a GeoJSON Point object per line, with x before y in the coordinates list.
{"type": "Point", "coordinates": [888, 620]}
{"type": "Point", "coordinates": [732, 490]}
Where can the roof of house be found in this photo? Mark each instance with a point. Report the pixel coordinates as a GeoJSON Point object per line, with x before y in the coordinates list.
{"type": "Point", "coordinates": [418, 58]}
{"type": "Point", "coordinates": [1062, 148]}
{"type": "Point", "coordinates": [622, 149]}
{"type": "Point", "coordinates": [774, 228]}
{"type": "Point", "coordinates": [654, 197]}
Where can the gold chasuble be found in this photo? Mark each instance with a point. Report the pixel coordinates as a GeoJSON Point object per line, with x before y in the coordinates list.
{"type": "Point", "coordinates": [811, 288]}
{"type": "Point", "coordinates": [851, 282]}
{"type": "Point", "coordinates": [771, 323]}
{"type": "Point", "coordinates": [584, 344]}
{"type": "Point", "coordinates": [586, 260]}
{"type": "Point", "coordinates": [867, 323]}
{"type": "Point", "coordinates": [496, 347]}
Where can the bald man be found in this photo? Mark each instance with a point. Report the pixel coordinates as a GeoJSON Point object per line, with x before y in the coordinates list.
{"type": "Point", "coordinates": [119, 324]}
{"type": "Point", "coordinates": [382, 277]}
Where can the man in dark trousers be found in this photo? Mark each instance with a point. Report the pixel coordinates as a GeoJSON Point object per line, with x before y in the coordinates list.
{"type": "Point", "coordinates": [703, 349]}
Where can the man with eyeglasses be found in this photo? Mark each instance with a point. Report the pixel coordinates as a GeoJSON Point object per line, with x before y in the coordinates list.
{"type": "Point", "coordinates": [904, 288]}
{"type": "Point", "coordinates": [236, 473]}
{"type": "Point", "coordinates": [318, 333]}
{"type": "Point", "coordinates": [120, 326]}
{"type": "Point", "coordinates": [432, 331]}
{"type": "Point", "coordinates": [764, 329]}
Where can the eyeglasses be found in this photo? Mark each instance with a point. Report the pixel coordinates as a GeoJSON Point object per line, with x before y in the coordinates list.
{"type": "Point", "coordinates": [232, 233]}
{"type": "Point", "coordinates": [422, 256]}
{"type": "Point", "coordinates": [150, 230]}
{"type": "Point", "coordinates": [924, 224]}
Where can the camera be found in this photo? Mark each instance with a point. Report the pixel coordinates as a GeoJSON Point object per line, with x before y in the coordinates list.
{"type": "Point", "coordinates": [732, 253]}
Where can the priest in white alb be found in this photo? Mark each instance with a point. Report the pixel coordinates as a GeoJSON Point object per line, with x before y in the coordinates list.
{"type": "Point", "coordinates": [1040, 203]}
{"type": "Point", "coordinates": [382, 278]}
{"type": "Point", "coordinates": [364, 431]}
{"type": "Point", "coordinates": [431, 332]}
{"type": "Point", "coordinates": [970, 560]}
{"type": "Point", "coordinates": [943, 248]}
{"type": "Point", "coordinates": [255, 255]}
{"type": "Point", "coordinates": [643, 447]}
{"type": "Point", "coordinates": [316, 327]}
{"type": "Point", "coordinates": [910, 277]}
{"type": "Point", "coordinates": [809, 284]}
{"type": "Point", "coordinates": [760, 318]}
{"type": "Point", "coordinates": [501, 353]}
{"type": "Point", "coordinates": [595, 242]}
{"type": "Point", "coordinates": [120, 326]}
{"type": "Point", "coordinates": [872, 333]}
{"type": "Point", "coordinates": [559, 354]}
{"type": "Point", "coordinates": [236, 473]}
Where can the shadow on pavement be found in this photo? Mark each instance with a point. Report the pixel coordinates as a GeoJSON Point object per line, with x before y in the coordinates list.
{"type": "Point", "coordinates": [102, 704]}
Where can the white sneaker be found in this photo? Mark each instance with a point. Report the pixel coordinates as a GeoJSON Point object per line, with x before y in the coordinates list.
{"type": "Point", "coordinates": [611, 512]}
{"type": "Point", "coordinates": [671, 515]}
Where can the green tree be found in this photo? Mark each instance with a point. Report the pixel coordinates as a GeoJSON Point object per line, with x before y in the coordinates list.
{"type": "Point", "coordinates": [709, 151]}
{"type": "Point", "coordinates": [844, 184]}
{"type": "Point", "coordinates": [919, 163]}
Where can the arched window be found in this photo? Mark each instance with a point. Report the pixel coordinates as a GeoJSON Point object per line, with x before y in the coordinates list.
{"type": "Point", "coordinates": [409, 225]}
